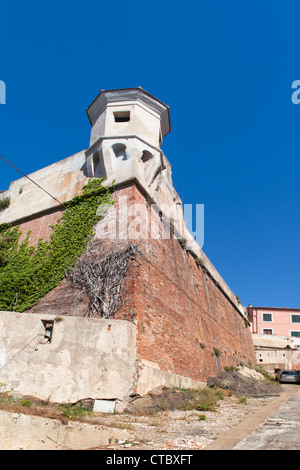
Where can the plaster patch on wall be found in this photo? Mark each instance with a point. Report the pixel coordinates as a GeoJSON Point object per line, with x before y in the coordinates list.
{"type": "Point", "coordinates": [104, 406]}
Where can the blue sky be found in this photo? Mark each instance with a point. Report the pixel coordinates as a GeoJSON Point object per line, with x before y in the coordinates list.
{"type": "Point", "coordinates": [224, 68]}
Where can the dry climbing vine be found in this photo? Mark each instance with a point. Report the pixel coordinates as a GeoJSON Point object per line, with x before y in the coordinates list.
{"type": "Point", "coordinates": [100, 272]}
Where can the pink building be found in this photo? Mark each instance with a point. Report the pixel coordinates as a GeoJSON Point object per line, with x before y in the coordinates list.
{"type": "Point", "coordinates": [274, 321]}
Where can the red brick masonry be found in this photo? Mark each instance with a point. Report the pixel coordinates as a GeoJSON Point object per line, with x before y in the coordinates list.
{"type": "Point", "coordinates": [39, 227]}
{"type": "Point", "coordinates": [185, 323]}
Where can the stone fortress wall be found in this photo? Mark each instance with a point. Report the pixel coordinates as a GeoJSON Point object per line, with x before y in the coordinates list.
{"type": "Point", "coordinates": [179, 322]}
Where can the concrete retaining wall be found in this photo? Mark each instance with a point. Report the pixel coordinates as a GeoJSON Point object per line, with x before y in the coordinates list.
{"type": "Point", "coordinates": [87, 358]}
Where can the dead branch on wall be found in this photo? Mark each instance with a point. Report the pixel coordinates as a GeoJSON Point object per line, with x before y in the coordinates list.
{"type": "Point", "coordinates": [100, 275]}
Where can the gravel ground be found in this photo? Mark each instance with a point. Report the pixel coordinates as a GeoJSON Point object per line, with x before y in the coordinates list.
{"type": "Point", "coordinates": [169, 419]}
{"type": "Point", "coordinates": [243, 391]}
{"type": "Point", "coordinates": [181, 430]}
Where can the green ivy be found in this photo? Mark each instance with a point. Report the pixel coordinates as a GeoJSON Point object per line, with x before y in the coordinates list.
{"type": "Point", "coordinates": [28, 273]}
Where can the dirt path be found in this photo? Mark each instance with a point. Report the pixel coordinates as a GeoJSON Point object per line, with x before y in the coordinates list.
{"type": "Point", "coordinates": [183, 430]}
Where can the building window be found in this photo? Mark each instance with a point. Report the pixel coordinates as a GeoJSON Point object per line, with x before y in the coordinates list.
{"type": "Point", "coordinates": [267, 331]}
{"type": "Point", "coordinates": [267, 317]}
{"type": "Point", "coordinates": [123, 116]}
{"type": "Point", "coordinates": [295, 334]}
{"type": "Point", "coordinates": [295, 318]}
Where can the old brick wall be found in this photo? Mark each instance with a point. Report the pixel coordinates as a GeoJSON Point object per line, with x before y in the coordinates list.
{"type": "Point", "coordinates": [186, 325]}
{"type": "Point", "coordinates": [39, 227]}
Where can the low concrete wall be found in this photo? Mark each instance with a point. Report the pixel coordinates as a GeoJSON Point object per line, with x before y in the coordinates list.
{"type": "Point", "coordinates": [150, 376]}
{"type": "Point", "coordinates": [87, 358]}
{"type": "Point", "coordinates": [277, 352]}
{"type": "Point", "coordinates": [276, 341]}
{"type": "Point", "coordinates": [24, 432]}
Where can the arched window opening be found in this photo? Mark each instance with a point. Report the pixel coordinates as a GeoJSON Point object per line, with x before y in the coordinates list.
{"type": "Point", "coordinates": [146, 156]}
{"type": "Point", "coordinates": [120, 151]}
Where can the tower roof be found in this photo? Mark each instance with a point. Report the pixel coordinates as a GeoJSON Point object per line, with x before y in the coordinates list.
{"type": "Point", "coordinates": [130, 95]}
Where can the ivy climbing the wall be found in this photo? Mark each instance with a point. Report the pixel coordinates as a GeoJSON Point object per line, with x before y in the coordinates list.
{"type": "Point", "coordinates": [28, 273]}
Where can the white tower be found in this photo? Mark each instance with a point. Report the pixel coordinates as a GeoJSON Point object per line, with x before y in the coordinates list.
{"type": "Point", "coordinates": [128, 126]}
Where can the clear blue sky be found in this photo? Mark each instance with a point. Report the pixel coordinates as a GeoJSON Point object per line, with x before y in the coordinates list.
{"type": "Point", "coordinates": [225, 68]}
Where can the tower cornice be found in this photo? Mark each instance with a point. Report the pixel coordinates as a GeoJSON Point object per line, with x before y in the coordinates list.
{"type": "Point", "coordinates": [129, 96]}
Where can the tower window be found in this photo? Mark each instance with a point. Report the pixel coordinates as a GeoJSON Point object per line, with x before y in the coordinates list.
{"type": "Point", "coordinates": [146, 156]}
{"type": "Point", "coordinates": [122, 116]}
{"type": "Point", "coordinates": [97, 173]}
{"type": "Point", "coordinates": [120, 151]}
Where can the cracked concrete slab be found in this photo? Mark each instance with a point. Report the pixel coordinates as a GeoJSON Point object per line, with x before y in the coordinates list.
{"type": "Point", "coordinates": [26, 432]}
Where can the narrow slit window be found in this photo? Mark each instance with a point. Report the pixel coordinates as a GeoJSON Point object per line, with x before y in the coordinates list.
{"type": "Point", "coordinates": [48, 330]}
{"type": "Point", "coordinates": [122, 116]}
